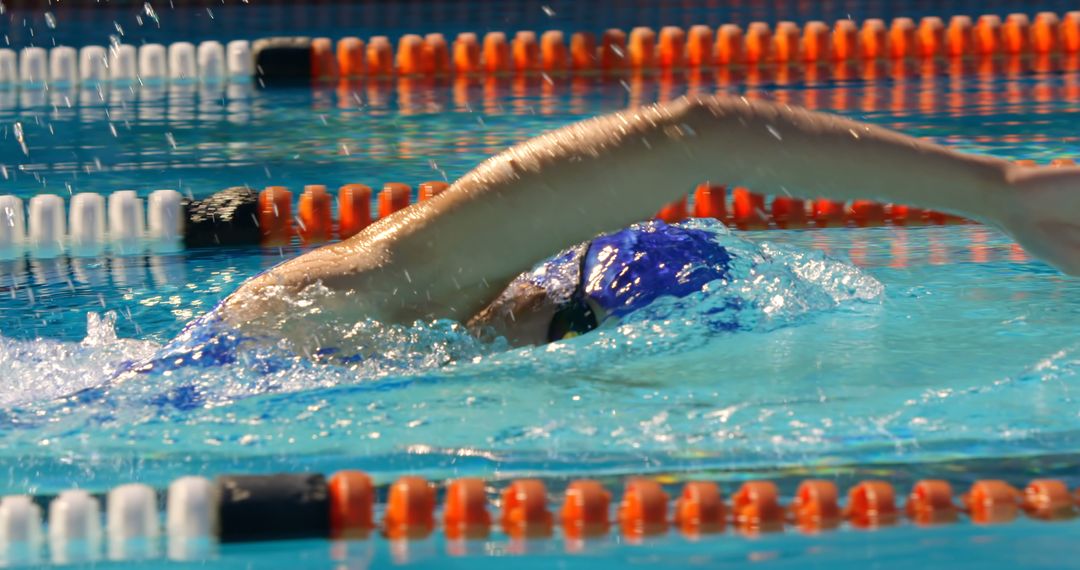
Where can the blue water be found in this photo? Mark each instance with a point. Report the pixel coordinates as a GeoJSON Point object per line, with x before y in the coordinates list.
{"type": "Point", "coordinates": [897, 352]}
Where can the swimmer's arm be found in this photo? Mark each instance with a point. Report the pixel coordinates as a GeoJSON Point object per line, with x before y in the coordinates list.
{"type": "Point", "coordinates": [779, 150]}
{"type": "Point", "coordinates": [600, 175]}
{"type": "Point", "coordinates": [450, 256]}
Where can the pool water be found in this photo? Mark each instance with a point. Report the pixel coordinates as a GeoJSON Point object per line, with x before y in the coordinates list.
{"type": "Point", "coordinates": [907, 352]}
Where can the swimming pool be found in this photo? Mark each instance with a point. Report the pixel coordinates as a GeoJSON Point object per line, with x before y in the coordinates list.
{"type": "Point", "coordinates": [960, 367]}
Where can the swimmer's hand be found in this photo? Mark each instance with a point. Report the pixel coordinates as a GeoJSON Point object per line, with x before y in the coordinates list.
{"type": "Point", "coordinates": [1041, 210]}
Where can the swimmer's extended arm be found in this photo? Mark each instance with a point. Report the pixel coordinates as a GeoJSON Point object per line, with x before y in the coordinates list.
{"type": "Point", "coordinates": [449, 256]}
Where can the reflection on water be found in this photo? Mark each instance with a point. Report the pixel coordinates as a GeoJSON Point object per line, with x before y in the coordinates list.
{"type": "Point", "coordinates": [202, 137]}
{"type": "Point", "coordinates": [970, 353]}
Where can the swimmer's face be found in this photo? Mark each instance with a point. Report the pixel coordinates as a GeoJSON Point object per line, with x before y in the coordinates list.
{"type": "Point", "coordinates": [522, 317]}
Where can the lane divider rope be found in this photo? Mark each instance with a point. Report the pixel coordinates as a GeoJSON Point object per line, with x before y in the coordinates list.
{"type": "Point", "coordinates": [90, 224]}
{"type": "Point", "coordinates": [247, 508]}
{"type": "Point", "coordinates": [273, 60]}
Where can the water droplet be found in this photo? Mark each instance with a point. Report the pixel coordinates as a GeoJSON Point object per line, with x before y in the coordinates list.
{"type": "Point", "coordinates": [149, 10]}
{"type": "Point", "coordinates": [50, 20]}
{"type": "Point", "coordinates": [171, 140]}
{"type": "Point", "coordinates": [548, 10]}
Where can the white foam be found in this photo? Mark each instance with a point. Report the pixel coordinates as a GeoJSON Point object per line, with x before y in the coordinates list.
{"type": "Point", "coordinates": [211, 58]}
{"type": "Point", "coordinates": [64, 65]}
{"type": "Point", "coordinates": [152, 62]}
{"type": "Point", "coordinates": [182, 63]}
{"type": "Point", "coordinates": [123, 62]}
{"type": "Point", "coordinates": [93, 64]}
{"type": "Point", "coordinates": [238, 59]}
{"type": "Point", "coordinates": [33, 65]}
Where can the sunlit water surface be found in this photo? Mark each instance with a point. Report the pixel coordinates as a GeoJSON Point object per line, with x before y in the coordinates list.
{"type": "Point", "coordinates": [908, 349]}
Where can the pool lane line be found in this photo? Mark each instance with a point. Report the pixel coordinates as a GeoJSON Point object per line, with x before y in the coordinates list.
{"type": "Point", "coordinates": [288, 60]}
{"type": "Point", "coordinates": [350, 506]}
{"type": "Point", "coordinates": [90, 224]}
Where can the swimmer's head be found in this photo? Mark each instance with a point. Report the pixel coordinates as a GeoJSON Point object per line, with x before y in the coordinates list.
{"type": "Point", "coordinates": [526, 314]}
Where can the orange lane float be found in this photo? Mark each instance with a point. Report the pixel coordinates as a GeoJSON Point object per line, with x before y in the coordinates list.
{"type": "Point", "coordinates": [931, 37]}
{"type": "Point", "coordinates": [700, 509]}
{"type": "Point", "coordinates": [352, 503]}
{"type": "Point", "coordinates": [496, 53]}
{"type": "Point", "coordinates": [758, 43]}
{"type": "Point", "coordinates": [1059, 162]}
{"type": "Point", "coordinates": [350, 57]}
{"type": "Point", "coordinates": [903, 215]}
{"type": "Point", "coordinates": [466, 53]}
{"type": "Point", "coordinates": [991, 502]}
{"type": "Point", "coordinates": [275, 215]}
{"type": "Point", "coordinates": [354, 209]}
{"type": "Point", "coordinates": [641, 48]}
{"type": "Point", "coordinates": [613, 50]}
{"type": "Point", "coordinates": [465, 513]}
{"type": "Point", "coordinates": [789, 213]}
{"type": "Point", "coordinates": [586, 510]}
{"type": "Point", "coordinates": [710, 201]}
{"type": "Point", "coordinates": [1016, 34]}
{"type": "Point", "coordinates": [410, 55]}
{"type": "Point", "coordinates": [959, 37]}
{"type": "Point", "coordinates": [873, 39]}
{"type": "Point", "coordinates": [380, 57]}
{"type": "Point", "coordinates": [323, 59]}
{"type": "Point", "coordinates": [1046, 33]}
{"type": "Point", "coordinates": [436, 54]}
{"type": "Point", "coordinates": [671, 51]}
{"type": "Point", "coordinates": [931, 502]}
{"type": "Point", "coordinates": [582, 51]}
{"type": "Point", "coordinates": [756, 508]}
{"type": "Point", "coordinates": [553, 55]}
{"type": "Point", "coordinates": [394, 197]}
{"type": "Point", "coordinates": [699, 46]}
{"type": "Point", "coordinates": [643, 510]}
{"type": "Point", "coordinates": [316, 218]}
{"type": "Point", "coordinates": [987, 35]}
{"type": "Point", "coordinates": [871, 504]}
{"type": "Point", "coordinates": [903, 40]}
{"type": "Point", "coordinates": [845, 40]}
{"type": "Point", "coordinates": [729, 45]}
{"type": "Point", "coordinates": [816, 41]}
{"type": "Point", "coordinates": [1048, 499]}
{"type": "Point", "coordinates": [410, 509]}
{"type": "Point", "coordinates": [816, 506]}
{"type": "Point", "coordinates": [786, 45]}
{"type": "Point", "coordinates": [430, 189]}
{"type": "Point", "coordinates": [866, 213]}
{"type": "Point", "coordinates": [524, 509]}
{"type": "Point", "coordinates": [526, 51]}
{"type": "Point", "coordinates": [1070, 32]}
{"type": "Point", "coordinates": [673, 212]}
{"type": "Point", "coordinates": [828, 213]}
{"type": "Point", "coordinates": [748, 210]}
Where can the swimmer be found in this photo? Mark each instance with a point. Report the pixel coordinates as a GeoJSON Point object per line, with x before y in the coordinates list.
{"type": "Point", "coordinates": [453, 256]}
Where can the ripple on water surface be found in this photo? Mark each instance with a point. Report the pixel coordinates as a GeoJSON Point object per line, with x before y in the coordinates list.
{"type": "Point", "coordinates": [826, 366]}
